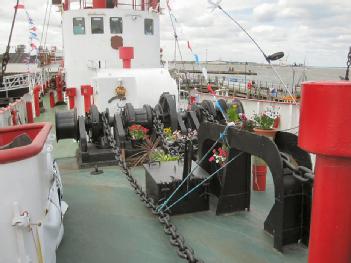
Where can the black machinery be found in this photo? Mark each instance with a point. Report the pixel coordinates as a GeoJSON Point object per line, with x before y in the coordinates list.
{"type": "Point", "coordinates": [90, 130]}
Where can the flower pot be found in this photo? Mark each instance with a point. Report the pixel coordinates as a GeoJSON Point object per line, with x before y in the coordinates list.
{"type": "Point", "coordinates": [259, 173]}
{"type": "Point", "coordinates": [268, 133]}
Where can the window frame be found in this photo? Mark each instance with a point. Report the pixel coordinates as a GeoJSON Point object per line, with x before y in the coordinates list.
{"type": "Point", "coordinates": [91, 25]}
{"type": "Point", "coordinates": [75, 26]}
{"type": "Point", "coordinates": [145, 27]}
{"type": "Point", "coordinates": [121, 20]}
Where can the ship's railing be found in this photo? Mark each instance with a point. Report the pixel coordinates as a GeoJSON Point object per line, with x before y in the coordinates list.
{"type": "Point", "coordinates": [17, 81]}
{"type": "Point", "coordinates": [238, 86]}
{"type": "Point", "coordinates": [20, 81]}
{"type": "Point", "coordinates": [139, 5]}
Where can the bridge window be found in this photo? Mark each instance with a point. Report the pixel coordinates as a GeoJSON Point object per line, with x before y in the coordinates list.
{"type": "Point", "coordinates": [78, 25]}
{"type": "Point", "coordinates": [149, 26]}
{"type": "Point", "coordinates": [116, 25]}
{"type": "Point", "coordinates": [97, 25]}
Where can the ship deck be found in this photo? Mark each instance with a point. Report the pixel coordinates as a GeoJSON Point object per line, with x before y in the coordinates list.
{"type": "Point", "coordinates": [107, 222]}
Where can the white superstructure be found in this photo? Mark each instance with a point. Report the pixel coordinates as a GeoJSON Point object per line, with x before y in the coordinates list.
{"type": "Point", "coordinates": [92, 39]}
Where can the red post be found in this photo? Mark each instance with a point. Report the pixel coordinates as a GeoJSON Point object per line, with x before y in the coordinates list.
{"type": "Point", "coordinates": [52, 99]}
{"type": "Point", "coordinates": [71, 94]}
{"type": "Point", "coordinates": [59, 88]}
{"type": "Point", "coordinates": [86, 92]}
{"type": "Point", "coordinates": [126, 54]}
{"type": "Point", "coordinates": [29, 109]}
{"type": "Point", "coordinates": [142, 5]}
{"type": "Point", "coordinates": [324, 132]}
{"type": "Point", "coordinates": [14, 116]}
{"type": "Point", "coordinates": [36, 92]}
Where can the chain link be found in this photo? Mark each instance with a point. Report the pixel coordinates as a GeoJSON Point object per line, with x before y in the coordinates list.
{"type": "Point", "coordinates": [176, 239]}
{"type": "Point", "coordinates": [348, 65]}
{"type": "Point", "coordinates": [301, 173]}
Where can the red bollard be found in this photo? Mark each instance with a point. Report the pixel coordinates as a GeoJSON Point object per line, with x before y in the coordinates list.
{"type": "Point", "coordinates": [36, 92]}
{"type": "Point", "coordinates": [71, 94]}
{"type": "Point", "coordinates": [29, 109]}
{"type": "Point", "coordinates": [52, 99]}
{"type": "Point", "coordinates": [14, 116]}
{"type": "Point", "coordinates": [59, 88]}
{"type": "Point", "coordinates": [126, 54]}
{"type": "Point", "coordinates": [324, 131]}
{"type": "Point", "coordinates": [87, 92]}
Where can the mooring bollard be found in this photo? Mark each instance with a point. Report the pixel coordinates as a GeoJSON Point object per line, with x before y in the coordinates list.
{"type": "Point", "coordinates": [324, 121]}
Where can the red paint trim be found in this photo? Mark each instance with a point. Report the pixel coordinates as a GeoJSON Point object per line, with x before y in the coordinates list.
{"type": "Point", "coordinates": [38, 132]}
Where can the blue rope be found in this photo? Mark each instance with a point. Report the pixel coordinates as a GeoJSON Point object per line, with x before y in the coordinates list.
{"type": "Point", "coordinates": [204, 181]}
{"type": "Point", "coordinates": [196, 166]}
{"type": "Point", "coordinates": [218, 106]}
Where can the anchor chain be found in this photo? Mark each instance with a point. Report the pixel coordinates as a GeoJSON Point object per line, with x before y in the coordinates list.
{"type": "Point", "coordinates": [176, 239]}
{"type": "Point", "coordinates": [348, 65]}
{"type": "Point", "coordinates": [301, 173]}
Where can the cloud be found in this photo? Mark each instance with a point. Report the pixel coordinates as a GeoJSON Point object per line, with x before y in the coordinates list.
{"type": "Point", "coordinates": [314, 29]}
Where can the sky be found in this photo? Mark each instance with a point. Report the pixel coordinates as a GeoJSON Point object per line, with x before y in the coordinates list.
{"type": "Point", "coordinates": [317, 32]}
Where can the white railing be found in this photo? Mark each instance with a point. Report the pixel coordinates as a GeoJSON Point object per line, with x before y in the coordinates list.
{"type": "Point", "coordinates": [20, 81]}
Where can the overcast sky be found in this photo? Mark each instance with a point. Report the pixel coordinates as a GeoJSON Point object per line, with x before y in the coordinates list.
{"type": "Point", "coordinates": [316, 30]}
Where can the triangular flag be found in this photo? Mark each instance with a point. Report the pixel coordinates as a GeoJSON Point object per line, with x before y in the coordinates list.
{"type": "Point", "coordinates": [168, 6]}
{"type": "Point", "coordinates": [190, 47]}
{"type": "Point", "coordinates": [210, 90]}
{"type": "Point", "coordinates": [197, 60]}
{"type": "Point", "coordinates": [19, 6]}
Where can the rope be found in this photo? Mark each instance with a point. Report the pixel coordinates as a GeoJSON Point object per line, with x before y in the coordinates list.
{"type": "Point", "coordinates": [42, 32]}
{"type": "Point", "coordinates": [256, 44]}
{"type": "Point", "coordinates": [47, 27]}
{"type": "Point", "coordinates": [221, 136]}
{"type": "Point", "coordinates": [204, 181]}
{"type": "Point", "coordinates": [6, 56]}
{"type": "Point", "coordinates": [191, 172]}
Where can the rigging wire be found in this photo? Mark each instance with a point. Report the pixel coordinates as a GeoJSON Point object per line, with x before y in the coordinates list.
{"type": "Point", "coordinates": [217, 5]}
{"type": "Point", "coordinates": [42, 32]}
{"type": "Point", "coordinates": [6, 55]}
{"type": "Point", "coordinates": [48, 24]}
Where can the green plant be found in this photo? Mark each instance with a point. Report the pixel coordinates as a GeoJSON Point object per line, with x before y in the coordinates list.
{"type": "Point", "coordinates": [137, 132]}
{"type": "Point", "coordinates": [146, 150]}
{"type": "Point", "coordinates": [161, 156]}
{"type": "Point", "coordinates": [264, 122]}
{"type": "Point", "coordinates": [233, 115]}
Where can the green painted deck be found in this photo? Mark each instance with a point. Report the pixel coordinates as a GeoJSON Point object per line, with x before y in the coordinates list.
{"type": "Point", "coordinates": [106, 222]}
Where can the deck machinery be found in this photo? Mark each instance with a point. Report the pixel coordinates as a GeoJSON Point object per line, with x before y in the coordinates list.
{"type": "Point", "coordinates": [289, 218]}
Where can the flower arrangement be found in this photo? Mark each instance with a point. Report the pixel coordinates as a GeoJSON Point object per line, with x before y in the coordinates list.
{"type": "Point", "coordinates": [137, 132]}
{"type": "Point", "coordinates": [265, 121]}
{"type": "Point", "coordinates": [219, 156]}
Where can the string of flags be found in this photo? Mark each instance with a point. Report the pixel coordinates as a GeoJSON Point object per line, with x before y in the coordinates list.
{"type": "Point", "coordinates": [33, 36]}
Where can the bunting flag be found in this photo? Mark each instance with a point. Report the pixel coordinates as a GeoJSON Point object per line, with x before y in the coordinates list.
{"type": "Point", "coordinates": [189, 46]}
{"type": "Point", "coordinates": [19, 6]}
{"type": "Point", "coordinates": [197, 59]}
{"type": "Point", "coordinates": [210, 90]}
{"type": "Point", "coordinates": [168, 6]}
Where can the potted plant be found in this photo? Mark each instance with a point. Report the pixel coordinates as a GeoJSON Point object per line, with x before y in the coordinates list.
{"type": "Point", "coordinates": [137, 133]}
{"type": "Point", "coordinates": [265, 122]}
{"type": "Point", "coordinates": [239, 119]}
